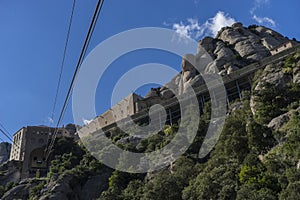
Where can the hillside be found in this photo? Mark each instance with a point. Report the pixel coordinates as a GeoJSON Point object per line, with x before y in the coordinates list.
{"type": "Point", "coordinates": [256, 157]}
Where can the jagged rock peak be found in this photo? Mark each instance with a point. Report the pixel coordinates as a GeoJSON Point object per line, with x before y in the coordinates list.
{"type": "Point", "coordinates": [237, 46]}
{"type": "Point", "coordinates": [251, 43]}
{"type": "Point", "coordinates": [233, 48]}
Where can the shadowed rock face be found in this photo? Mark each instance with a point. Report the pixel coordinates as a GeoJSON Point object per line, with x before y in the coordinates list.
{"type": "Point", "coordinates": [233, 48]}
{"type": "Point", "coordinates": [69, 186]}
{"type": "Point", "coordinates": [4, 152]}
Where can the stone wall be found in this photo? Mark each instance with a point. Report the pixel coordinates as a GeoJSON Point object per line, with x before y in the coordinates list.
{"type": "Point", "coordinates": [282, 47]}
{"type": "Point", "coordinates": [125, 108]}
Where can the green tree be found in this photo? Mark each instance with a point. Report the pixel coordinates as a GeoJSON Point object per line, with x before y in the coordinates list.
{"type": "Point", "coordinates": [163, 187]}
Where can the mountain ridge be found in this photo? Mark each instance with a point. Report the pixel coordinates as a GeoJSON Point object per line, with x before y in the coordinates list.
{"type": "Point", "coordinates": [233, 48]}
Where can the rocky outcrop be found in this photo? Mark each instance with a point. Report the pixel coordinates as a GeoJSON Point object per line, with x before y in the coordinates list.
{"type": "Point", "coordinates": [68, 186]}
{"type": "Point", "coordinates": [237, 46]}
{"type": "Point", "coordinates": [233, 48]}
{"type": "Point", "coordinates": [252, 43]}
{"type": "Point", "coordinates": [130, 140]}
{"type": "Point", "coordinates": [18, 192]}
{"type": "Point", "coordinates": [4, 151]}
{"type": "Point", "coordinates": [10, 172]}
{"type": "Point", "coordinates": [271, 76]}
{"type": "Point", "coordinates": [21, 191]}
{"type": "Point", "coordinates": [281, 120]}
{"type": "Point", "coordinates": [296, 70]}
{"type": "Point", "coordinates": [277, 77]}
{"type": "Point", "coordinates": [72, 187]}
{"type": "Point", "coordinates": [93, 187]}
{"type": "Point", "coordinates": [154, 92]}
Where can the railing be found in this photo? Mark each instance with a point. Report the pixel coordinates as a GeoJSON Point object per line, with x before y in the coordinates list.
{"type": "Point", "coordinates": [201, 90]}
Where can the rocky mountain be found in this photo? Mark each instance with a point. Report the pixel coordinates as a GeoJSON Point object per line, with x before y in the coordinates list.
{"type": "Point", "coordinates": [233, 48]}
{"type": "Point", "coordinates": [4, 151]}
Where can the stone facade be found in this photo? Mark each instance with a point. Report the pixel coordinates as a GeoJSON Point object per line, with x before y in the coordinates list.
{"type": "Point", "coordinates": [29, 144]}
{"type": "Point", "coordinates": [283, 47]}
{"type": "Point", "coordinates": [125, 108]}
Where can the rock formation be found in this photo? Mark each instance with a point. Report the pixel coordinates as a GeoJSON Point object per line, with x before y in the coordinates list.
{"type": "Point", "coordinates": [4, 151]}
{"type": "Point", "coordinates": [233, 48]}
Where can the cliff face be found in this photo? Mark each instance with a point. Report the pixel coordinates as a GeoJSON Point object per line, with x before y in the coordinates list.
{"type": "Point", "coordinates": [281, 78]}
{"type": "Point", "coordinates": [4, 151]}
{"type": "Point", "coordinates": [233, 48]}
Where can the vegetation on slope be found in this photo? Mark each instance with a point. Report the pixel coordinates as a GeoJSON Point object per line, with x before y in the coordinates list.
{"type": "Point", "coordinates": [250, 160]}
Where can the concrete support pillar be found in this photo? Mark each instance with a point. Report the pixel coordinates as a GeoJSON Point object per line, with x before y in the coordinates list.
{"type": "Point", "coordinates": [227, 99]}
{"type": "Point", "coordinates": [202, 101]}
{"type": "Point", "coordinates": [170, 115]}
{"type": "Point", "coordinates": [238, 88]}
{"type": "Point", "coordinates": [160, 125]}
{"type": "Point", "coordinates": [249, 80]}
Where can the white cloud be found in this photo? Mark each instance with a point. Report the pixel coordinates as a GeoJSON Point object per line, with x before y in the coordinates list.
{"type": "Point", "coordinates": [196, 2]}
{"type": "Point", "coordinates": [182, 30]}
{"type": "Point", "coordinates": [86, 121]}
{"type": "Point", "coordinates": [50, 120]}
{"type": "Point", "coordinates": [258, 4]}
{"type": "Point", "coordinates": [219, 21]}
{"type": "Point", "coordinates": [192, 29]}
{"type": "Point", "coordinates": [262, 20]}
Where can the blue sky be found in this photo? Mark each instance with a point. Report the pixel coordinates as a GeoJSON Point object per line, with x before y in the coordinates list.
{"type": "Point", "coordinates": [32, 37]}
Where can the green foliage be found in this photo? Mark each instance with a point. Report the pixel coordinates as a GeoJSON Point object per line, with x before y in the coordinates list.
{"type": "Point", "coordinates": [289, 62]}
{"type": "Point", "coordinates": [218, 180]}
{"type": "Point", "coordinates": [9, 185]}
{"type": "Point", "coordinates": [250, 192]}
{"type": "Point", "coordinates": [237, 56]}
{"type": "Point", "coordinates": [256, 78]}
{"type": "Point", "coordinates": [250, 174]}
{"type": "Point", "coordinates": [256, 175]}
{"type": "Point", "coordinates": [260, 137]}
{"type": "Point", "coordinates": [291, 192]}
{"type": "Point", "coordinates": [233, 141]}
{"type": "Point", "coordinates": [134, 190]}
{"type": "Point", "coordinates": [118, 182]}
{"type": "Point", "coordinates": [273, 100]}
{"type": "Point", "coordinates": [287, 70]}
{"type": "Point", "coordinates": [2, 190]}
{"type": "Point", "coordinates": [66, 145]}
{"type": "Point", "coordinates": [151, 143]}
{"type": "Point", "coordinates": [35, 191]}
{"type": "Point", "coordinates": [269, 99]}
{"type": "Point", "coordinates": [163, 186]}
{"type": "Point", "coordinates": [246, 163]}
{"type": "Point", "coordinates": [64, 162]}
